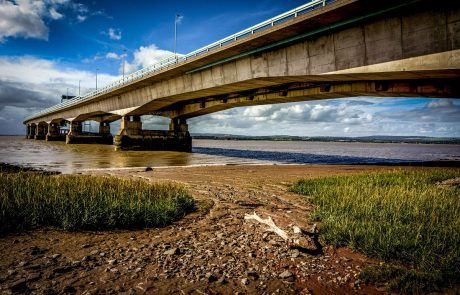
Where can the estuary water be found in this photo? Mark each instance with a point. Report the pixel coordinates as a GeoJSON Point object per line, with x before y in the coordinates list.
{"type": "Point", "coordinates": [74, 158]}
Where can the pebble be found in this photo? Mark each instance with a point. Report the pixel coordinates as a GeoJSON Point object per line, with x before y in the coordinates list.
{"type": "Point", "coordinates": [285, 274]}
{"type": "Point", "coordinates": [55, 256]}
{"type": "Point", "coordinates": [19, 285]}
{"type": "Point", "coordinates": [112, 261]}
{"type": "Point", "coordinates": [33, 276]}
{"type": "Point", "coordinates": [172, 251]}
{"type": "Point", "coordinates": [244, 281]}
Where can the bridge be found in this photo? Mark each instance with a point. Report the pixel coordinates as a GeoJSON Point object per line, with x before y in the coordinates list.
{"type": "Point", "coordinates": [321, 50]}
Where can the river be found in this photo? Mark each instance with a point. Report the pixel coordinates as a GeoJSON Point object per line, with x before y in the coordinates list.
{"type": "Point", "coordinates": [74, 158]}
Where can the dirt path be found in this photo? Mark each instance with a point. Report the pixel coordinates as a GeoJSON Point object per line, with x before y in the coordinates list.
{"type": "Point", "coordinates": [210, 251]}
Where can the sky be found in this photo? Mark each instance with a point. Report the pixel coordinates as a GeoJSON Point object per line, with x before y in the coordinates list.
{"type": "Point", "coordinates": [49, 47]}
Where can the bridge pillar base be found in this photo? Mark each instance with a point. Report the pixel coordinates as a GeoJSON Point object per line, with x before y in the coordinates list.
{"type": "Point", "coordinates": [40, 131]}
{"type": "Point", "coordinates": [155, 140]}
{"type": "Point", "coordinates": [132, 137]}
{"type": "Point", "coordinates": [77, 136]}
{"type": "Point", "coordinates": [89, 139]}
{"type": "Point", "coordinates": [54, 133]}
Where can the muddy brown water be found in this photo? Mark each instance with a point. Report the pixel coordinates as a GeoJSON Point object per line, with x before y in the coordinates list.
{"type": "Point", "coordinates": [76, 158]}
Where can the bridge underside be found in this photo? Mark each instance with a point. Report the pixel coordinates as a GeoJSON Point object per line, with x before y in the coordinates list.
{"type": "Point", "coordinates": [412, 51]}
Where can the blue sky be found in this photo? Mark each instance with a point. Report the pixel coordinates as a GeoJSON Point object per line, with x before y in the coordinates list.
{"type": "Point", "coordinates": [47, 46]}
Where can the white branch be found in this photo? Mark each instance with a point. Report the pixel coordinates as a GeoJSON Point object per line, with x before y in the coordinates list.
{"type": "Point", "coordinates": [271, 225]}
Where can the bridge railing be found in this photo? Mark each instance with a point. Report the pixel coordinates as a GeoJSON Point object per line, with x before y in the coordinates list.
{"type": "Point", "coordinates": [175, 59]}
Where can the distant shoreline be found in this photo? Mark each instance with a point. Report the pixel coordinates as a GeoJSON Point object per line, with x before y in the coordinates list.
{"type": "Point", "coordinates": [363, 139]}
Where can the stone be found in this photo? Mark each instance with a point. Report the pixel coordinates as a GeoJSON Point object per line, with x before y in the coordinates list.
{"type": "Point", "coordinates": [33, 276]}
{"type": "Point", "coordinates": [12, 272]}
{"type": "Point", "coordinates": [102, 254]}
{"type": "Point", "coordinates": [55, 256]}
{"type": "Point", "coordinates": [84, 246]}
{"type": "Point", "coordinates": [172, 251]}
{"type": "Point", "coordinates": [94, 252]}
{"type": "Point", "coordinates": [19, 285]}
{"type": "Point", "coordinates": [285, 274]}
{"type": "Point", "coordinates": [148, 169]}
{"type": "Point", "coordinates": [210, 277]}
{"type": "Point", "coordinates": [295, 253]}
{"type": "Point", "coordinates": [244, 281]}
{"type": "Point", "coordinates": [112, 261]}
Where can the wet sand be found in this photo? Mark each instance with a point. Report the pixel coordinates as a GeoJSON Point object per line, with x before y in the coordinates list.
{"type": "Point", "coordinates": [214, 250]}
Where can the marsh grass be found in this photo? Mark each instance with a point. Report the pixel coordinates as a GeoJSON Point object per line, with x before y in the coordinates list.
{"type": "Point", "coordinates": [74, 202]}
{"type": "Point", "coordinates": [404, 217]}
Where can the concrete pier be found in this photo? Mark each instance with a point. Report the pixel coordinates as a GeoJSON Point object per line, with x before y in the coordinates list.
{"type": "Point", "coordinates": [132, 137]}
{"type": "Point", "coordinates": [40, 131]}
{"type": "Point", "coordinates": [54, 133]}
{"type": "Point", "coordinates": [77, 136]}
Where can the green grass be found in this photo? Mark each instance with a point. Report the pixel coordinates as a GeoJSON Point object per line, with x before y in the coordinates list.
{"type": "Point", "coordinates": [72, 202]}
{"type": "Point", "coordinates": [404, 217]}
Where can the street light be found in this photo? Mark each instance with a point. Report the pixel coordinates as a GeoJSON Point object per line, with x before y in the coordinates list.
{"type": "Point", "coordinates": [124, 56]}
{"type": "Point", "coordinates": [97, 69]}
{"type": "Point", "coordinates": [79, 81]}
{"type": "Point", "coordinates": [175, 31]}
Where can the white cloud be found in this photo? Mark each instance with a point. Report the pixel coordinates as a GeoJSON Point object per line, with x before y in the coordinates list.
{"type": "Point", "coordinates": [28, 84]}
{"type": "Point", "coordinates": [145, 56]}
{"type": "Point", "coordinates": [81, 18]}
{"type": "Point", "coordinates": [23, 19]}
{"type": "Point", "coordinates": [114, 34]}
{"type": "Point", "coordinates": [54, 14]}
{"type": "Point", "coordinates": [112, 55]}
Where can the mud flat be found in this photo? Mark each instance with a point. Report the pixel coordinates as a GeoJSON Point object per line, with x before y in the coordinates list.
{"type": "Point", "coordinates": [213, 250]}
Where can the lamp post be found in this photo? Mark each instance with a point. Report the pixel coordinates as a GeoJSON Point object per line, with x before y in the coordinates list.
{"type": "Point", "coordinates": [79, 81]}
{"type": "Point", "coordinates": [124, 57]}
{"type": "Point", "coordinates": [175, 31]}
{"type": "Point", "coordinates": [97, 69]}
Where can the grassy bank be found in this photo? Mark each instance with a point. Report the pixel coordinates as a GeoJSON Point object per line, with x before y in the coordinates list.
{"type": "Point", "coordinates": [71, 202]}
{"type": "Point", "coordinates": [406, 218]}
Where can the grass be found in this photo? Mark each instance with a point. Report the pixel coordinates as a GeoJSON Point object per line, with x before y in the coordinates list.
{"type": "Point", "coordinates": [73, 202]}
{"type": "Point", "coordinates": [404, 217]}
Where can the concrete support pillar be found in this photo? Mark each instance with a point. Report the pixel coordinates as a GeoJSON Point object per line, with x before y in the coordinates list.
{"type": "Point", "coordinates": [132, 137]}
{"type": "Point", "coordinates": [40, 131]}
{"type": "Point", "coordinates": [104, 128]}
{"type": "Point", "coordinates": [28, 128]}
{"type": "Point", "coordinates": [32, 131]}
{"type": "Point", "coordinates": [76, 134]}
{"type": "Point", "coordinates": [130, 125]}
{"type": "Point", "coordinates": [54, 133]}
{"type": "Point", "coordinates": [75, 128]}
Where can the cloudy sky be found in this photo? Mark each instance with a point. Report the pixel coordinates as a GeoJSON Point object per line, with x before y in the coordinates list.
{"type": "Point", "coordinates": [48, 46]}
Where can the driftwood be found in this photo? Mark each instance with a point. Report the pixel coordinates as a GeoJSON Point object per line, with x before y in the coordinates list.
{"type": "Point", "coordinates": [271, 225]}
{"type": "Point", "coordinates": [297, 240]}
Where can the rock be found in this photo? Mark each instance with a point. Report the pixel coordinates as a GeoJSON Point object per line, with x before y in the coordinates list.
{"type": "Point", "coordinates": [62, 269]}
{"type": "Point", "coordinates": [285, 274]}
{"type": "Point", "coordinates": [23, 263]}
{"type": "Point", "coordinates": [69, 289]}
{"type": "Point", "coordinates": [55, 256]}
{"type": "Point", "coordinates": [84, 246]}
{"type": "Point", "coordinates": [94, 252]}
{"type": "Point", "coordinates": [252, 255]}
{"type": "Point", "coordinates": [19, 285]}
{"type": "Point", "coordinates": [172, 251]}
{"type": "Point", "coordinates": [33, 276]}
{"type": "Point", "coordinates": [76, 263]}
{"type": "Point", "coordinates": [295, 253]}
{"type": "Point", "coordinates": [102, 254]}
{"type": "Point", "coordinates": [112, 262]}
{"type": "Point", "coordinates": [12, 272]}
{"type": "Point", "coordinates": [148, 169]}
{"type": "Point", "coordinates": [222, 280]}
{"type": "Point", "coordinates": [210, 277]}
{"type": "Point", "coordinates": [244, 281]}
{"type": "Point", "coordinates": [253, 274]}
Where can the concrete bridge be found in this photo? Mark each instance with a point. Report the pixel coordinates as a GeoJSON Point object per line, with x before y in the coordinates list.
{"type": "Point", "coordinates": [321, 50]}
